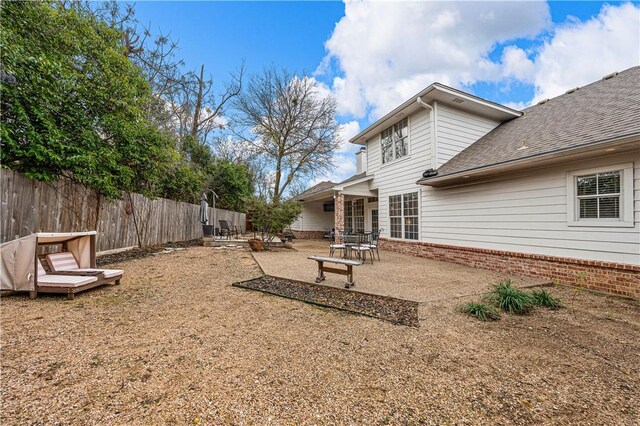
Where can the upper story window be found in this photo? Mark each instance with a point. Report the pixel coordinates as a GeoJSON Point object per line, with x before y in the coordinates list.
{"type": "Point", "coordinates": [601, 197]}
{"type": "Point", "coordinates": [394, 141]}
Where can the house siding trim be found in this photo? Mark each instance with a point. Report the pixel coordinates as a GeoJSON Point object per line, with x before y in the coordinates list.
{"type": "Point", "coordinates": [610, 277]}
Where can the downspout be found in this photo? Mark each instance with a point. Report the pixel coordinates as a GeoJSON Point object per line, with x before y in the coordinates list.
{"type": "Point", "coordinates": [434, 123]}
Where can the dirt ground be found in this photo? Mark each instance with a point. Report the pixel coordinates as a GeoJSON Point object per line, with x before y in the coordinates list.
{"type": "Point", "coordinates": [176, 344]}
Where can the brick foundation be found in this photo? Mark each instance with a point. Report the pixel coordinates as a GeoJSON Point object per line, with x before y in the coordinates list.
{"type": "Point", "coordinates": [617, 278]}
{"type": "Point", "coordinates": [308, 235]}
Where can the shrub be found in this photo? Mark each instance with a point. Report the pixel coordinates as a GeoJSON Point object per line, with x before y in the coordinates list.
{"type": "Point", "coordinates": [481, 311]}
{"type": "Point", "coordinates": [509, 299]}
{"type": "Point", "coordinates": [542, 298]}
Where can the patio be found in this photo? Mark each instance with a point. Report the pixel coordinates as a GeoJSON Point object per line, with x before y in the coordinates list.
{"type": "Point", "coordinates": [396, 275]}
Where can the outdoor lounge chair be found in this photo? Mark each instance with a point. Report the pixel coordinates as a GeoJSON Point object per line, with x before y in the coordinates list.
{"type": "Point", "coordinates": [65, 262]}
{"type": "Point", "coordinates": [65, 284]}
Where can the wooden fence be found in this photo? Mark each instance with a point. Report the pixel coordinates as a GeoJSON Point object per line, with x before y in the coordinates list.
{"type": "Point", "coordinates": [30, 206]}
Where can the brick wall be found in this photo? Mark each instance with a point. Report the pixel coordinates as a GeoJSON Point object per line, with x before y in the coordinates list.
{"type": "Point", "coordinates": [308, 235]}
{"type": "Point", "coordinates": [338, 216]}
{"type": "Point", "coordinates": [616, 278]}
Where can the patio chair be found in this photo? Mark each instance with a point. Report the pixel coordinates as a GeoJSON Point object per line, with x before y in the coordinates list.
{"type": "Point", "coordinates": [225, 229]}
{"type": "Point", "coordinates": [65, 262]}
{"type": "Point", "coordinates": [335, 245]}
{"type": "Point", "coordinates": [66, 284]}
{"type": "Point", "coordinates": [236, 230]}
{"type": "Point", "coordinates": [361, 247]}
{"type": "Point", "coordinates": [373, 242]}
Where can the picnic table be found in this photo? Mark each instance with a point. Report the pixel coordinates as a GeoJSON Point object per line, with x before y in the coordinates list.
{"type": "Point", "coordinates": [339, 261]}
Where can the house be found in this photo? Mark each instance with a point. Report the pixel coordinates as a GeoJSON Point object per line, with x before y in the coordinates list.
{"type": "Point", "coordinates": [551, 191]}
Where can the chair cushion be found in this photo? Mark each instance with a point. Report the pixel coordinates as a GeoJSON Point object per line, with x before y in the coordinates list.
{"type": "Point", "coordinates": [64, 281]}
{"type": "Point", "coordinates": [108, 273]}
{"type": "Point", "coordinates": [63, 261]}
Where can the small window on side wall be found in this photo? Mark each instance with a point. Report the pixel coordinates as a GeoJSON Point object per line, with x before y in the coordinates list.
{"type": "Point", "coordinates": [601, 196]}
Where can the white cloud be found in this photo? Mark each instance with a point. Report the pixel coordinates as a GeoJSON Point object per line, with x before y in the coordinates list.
{"type": "Point", "coordinates": [389, 51]}
{"type": "Point", "coordinates": [516, 64]}
{"type": "Point", "coordinates": [347, 131]}
{"type": "Point", "coordinates": [582, 52]}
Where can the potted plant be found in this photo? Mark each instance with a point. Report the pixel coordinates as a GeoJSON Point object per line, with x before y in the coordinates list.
{"type": "Point", "coordinates": [256, 244]}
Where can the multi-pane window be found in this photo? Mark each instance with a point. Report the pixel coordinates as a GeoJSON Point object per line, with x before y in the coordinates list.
{"type": "Point", "coordinates": [394, 142]}
{"type": "Point", "coordinates": [598, 195]}
{"type": "Point", "coordinates": [410, 214]}
{"type": "Point", "coordinates": [348, 216]}
{"type": "Point", "coordinates": [358, 215]}
{"type": "Point", "coordinates": [354, 215]}
{"type": "Point", "coordinates": [375, 223]}
{"type": "Point", "coordinates": [403, 216]}
{"type": "Point", "coordinates": [395, 216]}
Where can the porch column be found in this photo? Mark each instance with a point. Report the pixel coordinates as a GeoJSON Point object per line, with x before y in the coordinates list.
{"type": "Point", "coordinates": [338, 216]}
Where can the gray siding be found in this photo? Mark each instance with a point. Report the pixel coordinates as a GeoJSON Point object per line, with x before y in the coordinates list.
{"type": "Point", "coordinates": [456, 130]}
{"type": "Point", "coordinates": [527, 213]}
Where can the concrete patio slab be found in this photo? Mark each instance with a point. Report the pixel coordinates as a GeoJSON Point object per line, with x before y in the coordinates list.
{"type": "Point", "coordinates": [395, 275]}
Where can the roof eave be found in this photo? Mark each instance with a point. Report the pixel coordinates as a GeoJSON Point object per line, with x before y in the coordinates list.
{"type": "Point", "coordinates": [400, 111]}
{"type": "Point", "coordinates": [341, 186]}
{"type": "Point", "coordinates": [607, 146]}
{"type": "Point", "coordinates": [316, 196]}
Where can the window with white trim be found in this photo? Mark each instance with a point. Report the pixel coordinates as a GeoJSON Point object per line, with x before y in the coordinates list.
{"type": "Point", "coordinates": [354, 215]}
{"type": "Point", "coordinates": [358, 215]}
{"type": "Point", "coordinates": [601, 196]}
{"type": "Point", "coordinates": [403, 216]}
{"type": "Point", "coordinates": [394, 141]}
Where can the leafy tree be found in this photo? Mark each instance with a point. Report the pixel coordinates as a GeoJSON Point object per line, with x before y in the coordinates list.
{"type": "Point", "coordinates": [79, 108]}
{"type": "Point", "coordinates": [232, 184]}
{"type": "Point", "coordinates": [287, 120]}
{"type": "Point", "coordinates": [272, 217]}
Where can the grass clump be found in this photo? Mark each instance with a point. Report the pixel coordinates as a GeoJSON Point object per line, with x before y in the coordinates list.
{"type": "Point", "coordinates": [544, 299]}
{"type": "Point", "coordinates": [509, 299]}
{"type": "Point", "coordinates": [481, 311]}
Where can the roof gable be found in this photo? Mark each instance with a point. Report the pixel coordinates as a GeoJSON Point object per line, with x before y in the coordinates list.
{"type": "Point", "coordinates": [607, 109]}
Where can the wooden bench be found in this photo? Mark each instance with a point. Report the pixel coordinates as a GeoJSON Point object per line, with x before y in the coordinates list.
{"type": "Point", "coordinates": [347, 262]}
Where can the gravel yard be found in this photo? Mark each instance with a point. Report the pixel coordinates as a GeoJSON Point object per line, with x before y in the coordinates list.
{"type": "Point", "coordinates": [177, 344]}
{"type": "Point", "coordinates": [396, 274]}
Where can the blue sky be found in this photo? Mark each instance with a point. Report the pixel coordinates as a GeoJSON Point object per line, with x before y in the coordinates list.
{"type": "Point", "coordinates": [372, 56]}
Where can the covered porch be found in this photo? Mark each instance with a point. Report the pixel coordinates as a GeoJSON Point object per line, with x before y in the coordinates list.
{"type": "Point", "coordinates": [328, 208]}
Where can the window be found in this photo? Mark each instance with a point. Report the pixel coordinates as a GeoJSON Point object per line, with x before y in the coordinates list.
{"type": "Point", "coordinates": [394, 142]}
{"type": "Point", "coordinates": [403, 216]}
{"type": "Point", "coordinates": [410, 213]}
{"type": "Point", "coordinates": [375, 224]}
{"type": "Point", "coordinates": [601, 197]}
{"type": "Point", "coordinates": [358, 215]}
{"type": "Point", "coordinates": [354, 215]}
{"type": "Point", "coordinates": [395, 216]}
{"type": "Point", "coordinates": [348, 216]}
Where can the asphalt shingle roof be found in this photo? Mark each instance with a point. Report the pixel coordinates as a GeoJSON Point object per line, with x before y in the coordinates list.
{"type": "Point", "coordinates": [603, 110]}
{"type": "Point", "coordinates": [352, 178]}
{"type": "Point", "coordinates": [322, 186]}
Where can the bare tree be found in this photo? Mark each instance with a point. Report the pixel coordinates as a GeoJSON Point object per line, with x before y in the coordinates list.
{"type": "Point", "coordinates": [286, 119]}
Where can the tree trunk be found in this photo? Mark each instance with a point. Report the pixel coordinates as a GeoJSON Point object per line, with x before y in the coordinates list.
{"type": "Point", "coordinates": [196, 115]}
